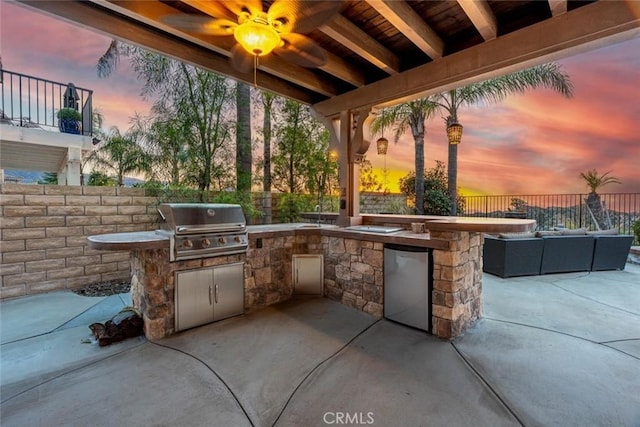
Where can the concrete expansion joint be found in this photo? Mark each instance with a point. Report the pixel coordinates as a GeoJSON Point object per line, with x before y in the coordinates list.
{"type": "Point", "coordinates": [311, 372]}
{"type": "Point", "coordinates": [48, 380]}
{"type": "Point", "coordinates": [603, 344]}
{"type": "Point", "coordinates": [592, 299]}
{"type": "Point", "coordinates": [233, 394]}
{"type": "Point", "coordinates": [486, 383]}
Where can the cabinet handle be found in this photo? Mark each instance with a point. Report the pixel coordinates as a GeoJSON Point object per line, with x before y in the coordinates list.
{"type": "Point", "coordinates": [209, 294]}
{"type": "Point", "coordinates": [296, 276]}
{"type": "Point", "coordinates": [216, 294]}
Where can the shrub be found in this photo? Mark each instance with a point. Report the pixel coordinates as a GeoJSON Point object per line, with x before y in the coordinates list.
{"type": "Point", "coordinates": [636, 231]}
{"type": "Point", "coordinates": [69, 114]}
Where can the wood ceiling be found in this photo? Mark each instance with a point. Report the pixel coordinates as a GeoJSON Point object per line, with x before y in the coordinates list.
{"type": "Point", "coordinates": [379, 51]}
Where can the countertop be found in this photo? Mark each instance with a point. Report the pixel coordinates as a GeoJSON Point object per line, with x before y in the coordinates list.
{"type": "Point", "coordinates": [128, 241]}
{"type": "Point", "coordinates": [151, 240]}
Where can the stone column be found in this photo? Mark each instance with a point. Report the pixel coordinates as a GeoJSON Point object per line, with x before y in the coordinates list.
{"type": "Point", "coordinates": [152, 291]}
{"type": "Point", "coordinates": [457, 283]}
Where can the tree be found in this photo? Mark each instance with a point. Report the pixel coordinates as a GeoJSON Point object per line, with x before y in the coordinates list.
{"type": "Point", "coordinates": [300, 161]}
{"type": "Point", "coordinates": [299, 140]}
{"type": "Point", "coordinates": [162, 141]}
{"type": "Point", "coordinates": [243, 138]}
{"type": "Point", "coordinates": [49, 178]}
{"type": "Point", "coordinates": [100, 179]}
{"type": "Point", "coordinates": [200, 102]}
{"type": "Point", "coordinates": [369, 181]}
{"type": "Point", "coordinates": [437, 200]}
{"type": "Point", "coordinates": [594, 202]}
{"type": "Point", "coordinates": [548, 76]}
{"type": "Point", "coordinates": [120, 154]}
{"type": "Point", "coordinates": [410, 115]}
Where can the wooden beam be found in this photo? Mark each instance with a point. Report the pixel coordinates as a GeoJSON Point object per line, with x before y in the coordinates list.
{"type": "Point", "coordinates": [151, 12]}
{"type": "Point", "coordinates": [558, 7]}
{"type": "Point", "coordinates": [112, 25]}
{"type": "Point", "coordinates": [335, 65]}
{"type": "Point", "coordinates": [409, 23]}
{"type": "Point", "coordinates": [589, 27]}
{"type": "Point", "coordinates": [348, 34]}
{"type": "Point", "coordinates": [482, 17]}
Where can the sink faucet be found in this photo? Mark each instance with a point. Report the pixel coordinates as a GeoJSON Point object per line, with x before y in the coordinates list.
{"type": "Point", "coordinates": [319, 215]}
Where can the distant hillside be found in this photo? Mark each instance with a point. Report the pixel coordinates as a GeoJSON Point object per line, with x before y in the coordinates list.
{"type": "Point", "coordinates": [32, 177]}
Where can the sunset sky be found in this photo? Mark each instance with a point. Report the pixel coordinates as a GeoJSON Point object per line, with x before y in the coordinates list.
{"type": "Point", "coordinates": [536, 143]}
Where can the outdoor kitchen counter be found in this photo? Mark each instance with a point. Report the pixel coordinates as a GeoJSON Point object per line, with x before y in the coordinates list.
{"type": "Point", "coordinates": [141, 240]}
{"type": "Point", "coordinates": [455, 223]}
{"type": "Point", "coordinates": [403, 237]}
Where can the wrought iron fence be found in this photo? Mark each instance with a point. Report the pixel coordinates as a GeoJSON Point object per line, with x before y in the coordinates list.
{"type": "Point", "coordinates": [34, 102]}
{"type": "Point", "coordinates": [553, 210]}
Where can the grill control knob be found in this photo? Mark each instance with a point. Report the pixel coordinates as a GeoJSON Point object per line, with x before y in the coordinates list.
{"type": "Point", "coordinates": [222, 240]}
{"type": "Point", "coordinates": [238, 239]}
{"type": "Point", "coordinates": [188, 244]}
{"type": "Point", "coordinates": [205, 243]}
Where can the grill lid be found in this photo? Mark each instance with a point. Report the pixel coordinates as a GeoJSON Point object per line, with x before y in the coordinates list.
{"type": "Point", "coordinates": [191, 218]}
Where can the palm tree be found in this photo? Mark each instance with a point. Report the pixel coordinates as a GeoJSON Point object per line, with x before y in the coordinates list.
{"type": "Point", "coordinates": [548, 76]}
{"type": "Point", "coordinates": [594, 202]}
{"type": "Point", "coordinates": [410, 115]}
{"type": "Point", "coordinates": [120, 154]}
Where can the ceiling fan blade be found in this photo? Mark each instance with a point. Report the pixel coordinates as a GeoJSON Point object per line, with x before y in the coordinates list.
{"type": "Point", "coordinates": [201, 24]}
{"type": "Point", "coordinates": [241, 60]}
{"type": "Point", "coordinates": [301, 50]}
{"type": "Point", "coordinates": [302, 16]}
{"type": "Point", "coordinates": [252, 7]}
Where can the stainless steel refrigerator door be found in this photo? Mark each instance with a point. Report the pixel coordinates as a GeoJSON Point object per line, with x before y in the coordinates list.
{"type": "Point", "coordinates": [406, 287]}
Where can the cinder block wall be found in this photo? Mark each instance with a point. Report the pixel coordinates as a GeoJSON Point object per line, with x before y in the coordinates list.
{"type": "Point", "coordinates": [44, 231]}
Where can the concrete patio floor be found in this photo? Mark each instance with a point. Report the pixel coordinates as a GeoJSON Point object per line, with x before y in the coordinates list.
{"type": "Point", "coordinates": [558, 349]}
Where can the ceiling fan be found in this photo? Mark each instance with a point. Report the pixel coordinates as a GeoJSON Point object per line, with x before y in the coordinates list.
{"type": "Point", "coordinates": [279, 30]}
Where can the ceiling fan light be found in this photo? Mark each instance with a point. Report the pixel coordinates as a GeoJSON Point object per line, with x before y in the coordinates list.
{"type": "Point", "coordinates": [256, 37]}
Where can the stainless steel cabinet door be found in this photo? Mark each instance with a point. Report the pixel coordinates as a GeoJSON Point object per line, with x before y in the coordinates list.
{"type": "Point", "coordinates": [194, 298]}
{"type": "Point", "coordinates": [228, 292]}
{"type": "Point", "coordinates": [308, 275]}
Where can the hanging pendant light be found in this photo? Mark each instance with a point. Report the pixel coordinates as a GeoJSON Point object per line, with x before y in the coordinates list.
{"type": "Point", "coordinates": [454, 132]}
{"type": "Point", "coordinates": [382, 143]}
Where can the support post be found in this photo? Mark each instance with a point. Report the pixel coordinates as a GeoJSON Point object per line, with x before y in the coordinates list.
{"type": "Point", "coordinates": [347, 138]}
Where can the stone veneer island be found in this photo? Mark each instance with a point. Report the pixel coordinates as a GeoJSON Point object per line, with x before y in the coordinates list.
{"type": "Point", "coordinates": [353, 266]}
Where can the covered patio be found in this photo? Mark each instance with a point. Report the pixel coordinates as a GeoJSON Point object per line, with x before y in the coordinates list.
{"type": "Point", "coordinates": [378, 53]}
{"type": "Point", "coordinates": [559, 349]}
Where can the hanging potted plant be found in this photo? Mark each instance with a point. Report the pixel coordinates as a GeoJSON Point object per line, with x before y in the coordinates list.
{"type": "Point", "coordinates": [69, 120]}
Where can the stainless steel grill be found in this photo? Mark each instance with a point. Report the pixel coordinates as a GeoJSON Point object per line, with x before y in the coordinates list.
{"type": "Point", "coordinates": [200, 230]}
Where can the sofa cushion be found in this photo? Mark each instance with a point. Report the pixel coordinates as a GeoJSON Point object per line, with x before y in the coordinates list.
{"type": "Point", "coordinates": [516, 235]}
{"type": "Point", "coordinates": [611, 231]}
{"type": "Point", "coordinates": [548, 233]}
{"type": "Point", "coordinates": [573, 232]}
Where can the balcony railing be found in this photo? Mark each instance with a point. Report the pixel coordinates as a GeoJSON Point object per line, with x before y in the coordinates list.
{"type": "Point", "coordinates": [34, 102]}
{"type": "Point", "coordinates": [552, 210]}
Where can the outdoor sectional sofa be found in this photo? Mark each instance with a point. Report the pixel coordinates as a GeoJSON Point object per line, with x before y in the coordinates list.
{"type": "Point", "coordinates": [510, 255]}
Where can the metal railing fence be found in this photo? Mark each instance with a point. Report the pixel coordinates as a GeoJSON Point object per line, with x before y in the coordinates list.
{"type": "Point", "coordinates": [553, 210]}
{"type": "Point", "coordinates": [29, 101]}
